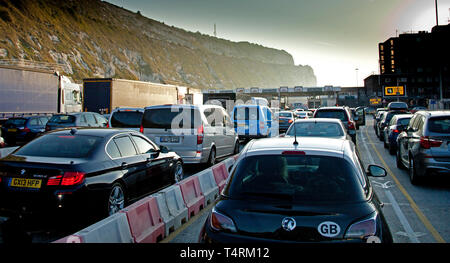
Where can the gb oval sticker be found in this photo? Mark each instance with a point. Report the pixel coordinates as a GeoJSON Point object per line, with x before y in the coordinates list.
{"type": "Point", "coordinates": [329, 229]}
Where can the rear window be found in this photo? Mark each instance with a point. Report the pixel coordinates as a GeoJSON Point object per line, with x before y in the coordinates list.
{"type": "Point", "coordinates": [295, 178]}
{"type": "Point", "coordinates": [285, 114]}
{"type": "Point", "coordinates": [16, 122]}
{"type": "Point", "coordinates": [333, 114]}
{"type": "Point", "coordinates": [126, 119]}
{"type": "Point", "coordinates": [246, 113]}
{"type": "Point", "coordinates": [63, 146]}
{"type": "Point", "coordinates": [171, 118]}
{"type": "Point", "coordinates": [390, 115]}
{"type": "Point", "coordinates": [62, 119]}
{"type": "Point", "coordinates": [320, 129]}
{"type": "Point", "coordinates": [398, 105]}
{"type": "Point", "coordinates": [439, 124]}
{"type": "Point", "coordinates": [403, 122]}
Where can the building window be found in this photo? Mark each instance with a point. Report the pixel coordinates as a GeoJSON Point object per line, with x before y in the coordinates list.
{"type": "Point", "coordinates": [392, 42]}
{"type": "Point", "coordinates": [381, 47]}
{"type": "Point", "coordinates": [392, 52]}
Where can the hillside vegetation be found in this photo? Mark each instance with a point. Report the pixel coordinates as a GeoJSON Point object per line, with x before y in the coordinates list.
{"type": "Point", "coordinates": [92, 38]}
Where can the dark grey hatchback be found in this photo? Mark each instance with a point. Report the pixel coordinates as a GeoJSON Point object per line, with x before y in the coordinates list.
{"type": "Point", "coordinates": [316, 191]}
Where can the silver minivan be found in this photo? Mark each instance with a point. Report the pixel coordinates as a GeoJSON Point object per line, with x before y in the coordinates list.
{"type": "Point", "coordinates": [198, 133]}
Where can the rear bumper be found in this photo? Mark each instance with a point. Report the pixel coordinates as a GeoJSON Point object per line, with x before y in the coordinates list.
{"type": "Point", "coordinates": [432, 166]}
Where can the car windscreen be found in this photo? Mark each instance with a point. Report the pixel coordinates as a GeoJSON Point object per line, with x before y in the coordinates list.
{"type": "Point", "coordinates": [172, 118]}
{"type": "Point", "coordinates": [439, 124]}
{"type": "Point", "coordinates": [16, 122]}
{"type": "Point", "coordinates": [320, 129]}
{"type": "Point", "coordinates": [297, 178]}
{"type": "Point", "coordinates": [335, 114]}
{"type": "Point", "coordinates": [390, 115]}
{"type": "Point", "coordinates": [60, 146]}
{"type": "Point", "coordinates": [126, 119]}
{"type": "Point", "coordinates": [62, 119]}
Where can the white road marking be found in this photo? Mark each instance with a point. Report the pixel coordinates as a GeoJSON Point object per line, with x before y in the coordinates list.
{"type": "Point", "coordinates": [409, 231]}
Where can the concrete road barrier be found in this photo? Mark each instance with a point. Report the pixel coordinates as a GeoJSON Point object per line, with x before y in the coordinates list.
{"type": "Point", "coordinates": [208, 185]}
{"type": "Point", "coordinates": [172, 208]}
{"type": "Point", "coordinates": [113, 229]}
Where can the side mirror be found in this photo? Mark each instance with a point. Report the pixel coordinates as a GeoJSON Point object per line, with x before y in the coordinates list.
{"type": "Point", "coordinates": [164, 149]}
{"type": "Point", "coordinates": [154, 153]}
{"type": "Point", "coordinates": [376, 171]}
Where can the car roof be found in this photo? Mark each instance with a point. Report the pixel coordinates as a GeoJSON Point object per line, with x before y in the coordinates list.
{"type": "Point", "coordinates": [434, 113]}
{"type": "Point", "coordinates": [127, 109]}
{"type": "Point", "coordinates": [332, 108]}
{"type": "Point", "coordinates": [101, 132]}
{"type": "Point", "coordinates": [318, 145]}
{"type": "Point", "coordinates": [320, 120]}
{"type": "Point", "coordinates": [192, 106]}
{"type": "Point", "coordinates": [403, 116]}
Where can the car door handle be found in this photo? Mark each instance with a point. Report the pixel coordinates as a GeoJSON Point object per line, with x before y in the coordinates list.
{"type": "Point", "coordinates": [124, 165]}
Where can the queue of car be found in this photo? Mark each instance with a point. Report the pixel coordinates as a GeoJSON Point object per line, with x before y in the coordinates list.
{"type": "Point", "coordinates": [306, 185]}
{"type": "Point", "coordinates": [419, 139]}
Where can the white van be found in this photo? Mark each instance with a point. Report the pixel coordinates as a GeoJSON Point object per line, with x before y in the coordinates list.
{"type": "Point", "coordinates": [198, 133]}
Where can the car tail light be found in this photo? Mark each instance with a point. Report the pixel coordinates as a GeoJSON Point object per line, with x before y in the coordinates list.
{"type": "Point", "coordinates": [200, 132]}
{"type": "Point", "coordinates": [220, 222]}
{"type": "Point", "coordinates": [363, 229]}
{"type": "Point", "coordinates": [25, 129]}
{"type": "Point", "coordinates": [395, 131]}
{"type": "Point", "coordinates": [72, 178]}
{"type": "Point", "coordinates": [68, 179]}
{"type": "Point", "coordinates": [54, 180]}
{"type": "Point", "coordinates": [107, 125]}
{"type": "Point", "coordinates": [141, 130]}
{"type": "Point", "coordinates": [351, 125]}
{"type": "Point", "coordinates": [427, 143]}
{"type": "Point", "coordinates": [290, 121]}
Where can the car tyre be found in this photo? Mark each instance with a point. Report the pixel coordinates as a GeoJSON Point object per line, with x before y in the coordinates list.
{"type": "Point", "coordinates": [236, 148]}
{"type": "Point", "coordinates": [413, 172]}
{"type": "Point", "coordinates": [212, 157]}
{"type": "Point", "coordinates": [399, 160]}
{"type": "Point", "coordinates": [178, 172]}
{"type": "Point", "coordinates": [116, 199]}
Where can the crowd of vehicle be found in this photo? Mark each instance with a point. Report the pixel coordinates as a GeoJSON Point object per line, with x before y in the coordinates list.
{"type": "Point", "coordinates": [419, 138]}
{"type": "Point", "coordinates": [312, 167]}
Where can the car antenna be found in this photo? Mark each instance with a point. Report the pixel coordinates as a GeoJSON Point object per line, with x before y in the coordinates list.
{"type": "Point", "coordinates": [295, 133]}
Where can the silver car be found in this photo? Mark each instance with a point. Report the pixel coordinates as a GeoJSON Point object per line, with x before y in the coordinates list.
{"type": "Point", "coordinates": [424, 146]}
{"type": "Point", "coordinates": [198, 133]}
{"type": "Point", "coordinates": [318, 127]}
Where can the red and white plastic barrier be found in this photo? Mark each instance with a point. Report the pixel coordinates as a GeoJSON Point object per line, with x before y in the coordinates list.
{"type": "Point", "coordinates": [144, 219]}
{"type": "Point", "coordinates": [154, 217]}
{"type": "Point", "coordinates": [192, 195]}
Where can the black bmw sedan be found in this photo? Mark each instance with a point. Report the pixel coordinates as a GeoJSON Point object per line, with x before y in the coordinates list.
{"type": "Point", "coordinates": [313, 190]}
{"type": "Point", "coordinates": [83, 172]}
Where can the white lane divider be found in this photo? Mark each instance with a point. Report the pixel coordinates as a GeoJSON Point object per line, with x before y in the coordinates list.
{"type": "Point", "coordinates": [406, 226]}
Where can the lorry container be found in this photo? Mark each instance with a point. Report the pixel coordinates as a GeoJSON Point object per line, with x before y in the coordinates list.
{"type": "Point", "coordinates": [103, 95]}
{"type": "Point", "coordinates": [25, 91]}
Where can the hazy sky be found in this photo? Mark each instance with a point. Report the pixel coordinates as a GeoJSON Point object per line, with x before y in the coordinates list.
{"type": "Point", "coordinates": [335, 37]}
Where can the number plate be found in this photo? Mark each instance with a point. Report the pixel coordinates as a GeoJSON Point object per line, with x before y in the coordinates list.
{"type": "Point", "coordinates": [26, 183]}
{"type": "Point", "coordinates": [170, 139]}
{"type": "Point", "coordinates": [12, 130]}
